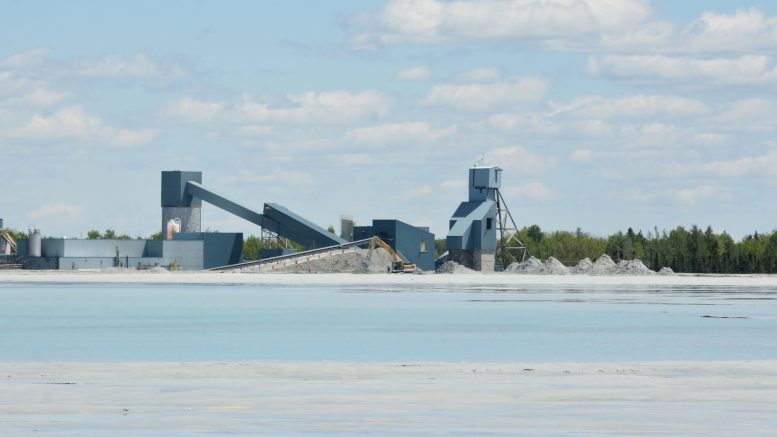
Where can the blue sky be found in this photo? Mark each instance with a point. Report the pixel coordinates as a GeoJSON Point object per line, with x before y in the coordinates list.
{"type": "Point", "coordinates": [604, 114]}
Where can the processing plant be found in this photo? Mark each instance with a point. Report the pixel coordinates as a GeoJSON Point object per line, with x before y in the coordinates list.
{"type": "Point", "coordinates": [184, 246]}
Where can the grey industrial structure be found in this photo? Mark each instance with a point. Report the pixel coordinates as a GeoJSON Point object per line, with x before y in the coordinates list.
{"type": "Point", "coordinates": [472, 232]}
{"type": "Point", "coordinates": [188, 248]}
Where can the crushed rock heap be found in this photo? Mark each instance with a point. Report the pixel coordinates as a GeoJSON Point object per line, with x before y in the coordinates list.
{"type": "Point", "coordinates": [604, 265]}
{"type": "Point", "coordinates": [353, 260]}
{"type": "Point", "coordinates": [453, 267]}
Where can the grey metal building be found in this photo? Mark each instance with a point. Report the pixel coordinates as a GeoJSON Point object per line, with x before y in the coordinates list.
{"type": "Point", "coordinates": [414, 243]}
{"type": "Point", "coordinates": [472, 231]}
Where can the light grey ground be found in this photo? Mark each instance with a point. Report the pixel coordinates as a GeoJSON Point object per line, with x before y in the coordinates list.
{"type": "Point", "coordinates": [675, 398]}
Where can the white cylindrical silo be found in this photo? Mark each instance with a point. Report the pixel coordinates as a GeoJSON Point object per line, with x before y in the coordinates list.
{"type": "Point", "coordinates": [34, 243]}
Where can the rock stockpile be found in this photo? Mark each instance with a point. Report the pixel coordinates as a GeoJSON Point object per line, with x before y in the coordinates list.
{"type": "Point", "coordinates": [604, 265]}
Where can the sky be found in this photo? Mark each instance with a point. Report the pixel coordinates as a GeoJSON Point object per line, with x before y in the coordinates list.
{"type": "Point", "coordinates": [604, 114]}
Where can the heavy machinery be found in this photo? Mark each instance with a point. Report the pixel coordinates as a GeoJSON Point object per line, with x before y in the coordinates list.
{"type": "Point", "coordinates": [399, 264]}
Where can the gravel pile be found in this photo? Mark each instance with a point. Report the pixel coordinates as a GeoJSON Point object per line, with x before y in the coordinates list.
{"type": "Point", "coordinates": [633, 267]}
{"type": "Point", "coordinates": [534, 266]}
{"type": "Point", "coordinates": [583, 267]}
{"type": "Point", "coordinates": [350, 261]}
{"type": "Point", "coordinates": [603, 266]}
{"type": "Point", "coordinates": [531, 266]}
{"type": "Point", "coordinates": [453, 267]}
{"type": "Point", "coordinates": [554, 267]}
{"type": "Point", "coordinates": [666, 271]}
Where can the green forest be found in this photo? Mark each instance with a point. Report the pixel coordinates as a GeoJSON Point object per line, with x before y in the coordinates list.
{"type": "Point", "coordinates": [684, 250]}
{"type": "Point", "coordinates": [687, 250]}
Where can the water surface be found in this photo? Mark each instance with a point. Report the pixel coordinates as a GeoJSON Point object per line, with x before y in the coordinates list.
{"type": "Point", "coordinates": [397, 323]}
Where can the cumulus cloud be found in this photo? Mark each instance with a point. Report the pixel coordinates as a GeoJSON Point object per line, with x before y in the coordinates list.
{"type": "Point", "coordinates": [26, 58]}
{"type": "Point", "coordinates": [580, 155]}
{"type": "Point", "coordinates": [454, 183]}
{"type": "Point", "coordinates": [564, 25]}
{"type": "Point", "coordinates": [57, 210]}
{"type": "Point", "coordinates": [480, 75]}
{"type": "Point", "coordinates": [637, 106]}
{"type": "Point", "coordinates": [479, 96]}
{"type": "Point", "coordinates": [324, 107]}
{"type": "Point", "coordinates": [695, 194]}
{"type": "Point", "coordinates": [138, 66]}
{"type": "Point", "coordinates": [517, 158]}
{"type": "Point", "coordinates": [398, 132]}
{"type": "Point", "coordinates": [433, 21]}
{"type": "Point", "coordinates": [766, 163]}
{"type": "Point", "coordinates": [743, 30]}
{"type": "Point", "coordinates": [421, 72]}
{"type": "Point", "coordinates": [310, 107]}
{"type": "Point", "coordinates": [747, 70]}
{"type": "Point", "coordinates": [532, 190]}
{"type": "Point", "coordinates": [193, 110]}
{"type": "Point", "coordinates": [36, 98]}
{"type": "Point", "coordinates": [73, 123]}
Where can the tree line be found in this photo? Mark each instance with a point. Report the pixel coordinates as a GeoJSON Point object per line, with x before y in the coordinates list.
{"type": "Point", "coordinates": [684, 250]}
{"type": "Point", "coordinates": [688, 250]}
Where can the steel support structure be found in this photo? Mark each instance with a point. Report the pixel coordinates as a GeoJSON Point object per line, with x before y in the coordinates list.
{"type": "Point", "coordinates": [509, 245]}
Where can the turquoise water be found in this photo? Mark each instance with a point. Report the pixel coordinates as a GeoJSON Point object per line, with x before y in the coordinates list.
{"type": "Point", "coordinates": [132, 322]}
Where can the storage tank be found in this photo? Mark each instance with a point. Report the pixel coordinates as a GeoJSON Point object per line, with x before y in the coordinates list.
{"type": "Point", "coordinates": [346, 227]}
{"type": "Point", "coordinates": [173, 226]}
{"type": "Point", "coordinates": [34, 243]}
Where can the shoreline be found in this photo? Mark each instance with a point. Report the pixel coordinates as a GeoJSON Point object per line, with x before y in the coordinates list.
{"type": "Point", "coordinates": [682, 397]}
{"type": "Point", "coordinates": [238, 278]}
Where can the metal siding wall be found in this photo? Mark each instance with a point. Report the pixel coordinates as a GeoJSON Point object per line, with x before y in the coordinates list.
{"type": "Point", "coordinates": [51, 247]}
{"type": "Point", "coordinates": [187, 254]}
{"type": "Point", "coordinates": [101, 248]}
{"type": "Point", "coordinates": [222, 249]}
{"type": "Point", "coordinates": [406, 239]}
{"type": "Point", "coordinates": [174, 188]}
{"type": "Point", "coordinates": [80, 263]}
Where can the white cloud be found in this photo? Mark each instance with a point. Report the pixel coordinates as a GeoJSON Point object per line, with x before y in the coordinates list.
{"type": "Point", "coordinates": [397, 132]}
{"type": "Point", "coordinates": [414, 192]}
{"type": "Point", "coordinates": [517, 158]}
{"type": "Point", "coordinates": [323, 107]}
{"type": "Point", "coordinates": [766, 163]}
{"type": "Point", "coordinates": [254, 130]}
{"type": "Point", "coordinates": [415, 73]}
{"type": "Point", "coordinates": [480, 75]}
{"type": "Point", "coordinates": [637, 106]}
{"type": "Point", "coordinates": [309, 107]}
{"type": "Point", "coordinates": [432, 21]}
{"type": "Point", "coordinates": [57, 210]}
{"type": "Point", "coordinates": [528, 122]}
{"type": "Point", "coordinates": [139, 66]}
{"type": "Point", "coordinates": [284, 177]}
{"type": "Point", "coordinates": [27, 58]}
{"type": "Point", "coordinates": [73, 123]}
{"type": "Point", "coordinates": [194, 111]}
{"type": "Point", "coordinates": [37, 98]}
{"type": "Point", "coordinates": [454, 183]}
{"type": "Point", "coordinates": [747, 70]}
{"type": "Point", "coordinates": [485, 96]}
{"type": "Point", "coordinates": [532, 190]}
{"type": "Point", "coordinates": [744, 30]}
{"type": "Point", "coordinates": [580, 155]}
{"type": "Point", "coordinates": [355, 159]}
{"type": "Point", "coordinates": [695, 194]}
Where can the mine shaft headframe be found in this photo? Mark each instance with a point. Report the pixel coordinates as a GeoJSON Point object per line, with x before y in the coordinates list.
{"type": "Point", "coordinates": [509, 246]}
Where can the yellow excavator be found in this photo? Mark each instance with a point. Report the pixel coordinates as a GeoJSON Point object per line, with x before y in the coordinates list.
{"type": "Point", "coordinates": [399, 264]}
